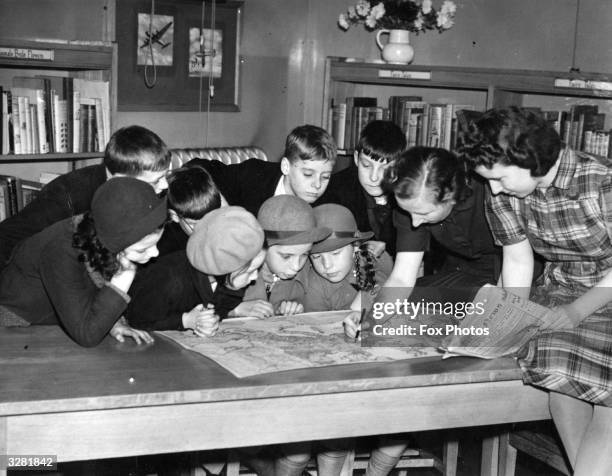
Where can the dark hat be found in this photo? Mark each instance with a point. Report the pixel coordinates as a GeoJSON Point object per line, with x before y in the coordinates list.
{"type": "Point", "coordinates": [289, 220]}
{"type": "Point", "coordinates": [124, 210]}
{"type": "Point", "coordinates": [224, 240]}
{"type": "Point", "coordinates": [343, 225]}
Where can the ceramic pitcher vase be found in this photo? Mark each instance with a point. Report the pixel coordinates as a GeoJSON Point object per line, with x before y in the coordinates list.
{"type": "Point", "coordinates": [398, 49]}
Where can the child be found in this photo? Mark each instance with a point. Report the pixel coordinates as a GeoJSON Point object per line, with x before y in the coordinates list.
{"type": "Point", "coordinates": [191, 194]}
{"type": "Point", "coordinates": [304, 171]}
{"type": "Point", "coordinates": [358, 187]}
{"type": "Point", "coordinates": [132, 152]}
{"type": "Point", "coordinates": [77, 272]}
{"type": "Point", "coordinates": [556, 201]}
{"type": "Point", "coordinates": [290, 229]}
{"type": "Point", "coordinates": [180, 290]}
{"type": "Point", "coordinates": [343, 264]}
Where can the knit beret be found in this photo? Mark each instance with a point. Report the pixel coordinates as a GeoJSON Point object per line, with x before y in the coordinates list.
{"type": "Point", "coordinates": [289, 220]}
{"type": "Point", "coordinates": [224, 240]}
{"type": "Point", "coordinates": [125, 210]}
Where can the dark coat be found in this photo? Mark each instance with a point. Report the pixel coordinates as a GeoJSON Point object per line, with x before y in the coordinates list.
{"type": "Point", "coordinates": [247, 184]}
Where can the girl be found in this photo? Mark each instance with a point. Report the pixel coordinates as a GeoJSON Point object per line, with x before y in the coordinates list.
{"type": "Point", "coordinates": [77, 272]}
{"type": "Point", "coordinates": [556, 201]}
{"type": "Point", "coordinates": [290, 229]}
{"type": "Point", "coordinates": [343, 264]}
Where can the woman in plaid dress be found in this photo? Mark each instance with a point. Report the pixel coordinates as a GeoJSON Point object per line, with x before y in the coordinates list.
{"type": "Point", "coordinates": [556, 202]}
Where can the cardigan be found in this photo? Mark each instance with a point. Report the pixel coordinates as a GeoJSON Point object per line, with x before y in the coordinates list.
{"type": "Point", "coordinates": [45, 283]}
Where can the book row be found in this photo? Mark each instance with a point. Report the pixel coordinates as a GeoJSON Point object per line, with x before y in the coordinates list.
{"type": "Point", "coordinates": [433, 125]}
{"type": "Point", "coordinates": [16, 193]}
{"type": "Point", "coordinates": [52, 114]}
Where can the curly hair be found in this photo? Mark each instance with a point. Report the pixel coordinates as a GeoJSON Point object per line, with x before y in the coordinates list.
{"type": "Point", "coordinates": [511, 136]}
{"type": "Point", "coordinates": [363, 267]}
{"type": "Point", "coordinates": [94, 254]}
{"type": "Point", "coordinates": [434, 169]}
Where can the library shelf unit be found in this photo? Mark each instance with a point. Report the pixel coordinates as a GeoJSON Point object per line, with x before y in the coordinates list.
{"type": "Point", "coordinates": [95, 60]}
{"type": "Point", "coordinates": [484, 88]}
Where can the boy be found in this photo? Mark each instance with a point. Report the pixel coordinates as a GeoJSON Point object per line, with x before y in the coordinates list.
{"type": "Point", "coordinates": [132, 151]}
{"type": "Point", "coordinates": [180, 290]}
{"type": "Point", "coordinates": [359, 189]}
{"type": "Point", "coordinates": [191, 195]}
{"type": "Point", "coordinates": [304, 171]}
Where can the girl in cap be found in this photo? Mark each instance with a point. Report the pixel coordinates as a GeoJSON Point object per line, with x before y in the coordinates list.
{"type": "Point", "coordinates": [343, 264]}
{"type": "Point", "coordinates": [290, 230]}
{"type": "Point", "coordinates": [77, 272]}
{"type": "Point", "coordinates": [194, 288]}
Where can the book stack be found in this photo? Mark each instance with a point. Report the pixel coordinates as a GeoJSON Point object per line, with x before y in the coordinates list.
{"type": "Point", "coordinates": [52, 114]}
{"type": "Point", "coordinates": [348, 118]}
{"type": "Point", "coordinates": [16, 193]}
{"type": "Point", "coordinates": [582, 127]}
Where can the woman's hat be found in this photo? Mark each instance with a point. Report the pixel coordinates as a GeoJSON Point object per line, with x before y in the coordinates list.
{"type": "Point", "coordinates": [125, 210]}
{"type": "Point", "coordinates": [224, 240]}
{"type": "Point", "coordinates": [289, 220]}
{"type": "Point", "coordinates": [343, 225]}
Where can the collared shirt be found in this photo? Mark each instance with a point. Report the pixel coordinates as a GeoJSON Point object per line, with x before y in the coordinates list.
{"type": "Point", "coordinates": [569, 223]}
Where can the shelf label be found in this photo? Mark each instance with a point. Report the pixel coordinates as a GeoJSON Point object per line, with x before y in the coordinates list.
{"type": "Point", "coordinates": [27, 54]}
{"type": "Point", "coordinates": [583, 84]}
{"type": "Point", "coordinates": [399, 74]}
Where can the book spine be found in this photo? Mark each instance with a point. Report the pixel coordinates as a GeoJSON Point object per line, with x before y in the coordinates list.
{"type": "Point", "coordinates": [16, 123]}
{"type": "Point", "coordinates": [41, 118]}
{"type": "Point", "coordinates": [76, 122]}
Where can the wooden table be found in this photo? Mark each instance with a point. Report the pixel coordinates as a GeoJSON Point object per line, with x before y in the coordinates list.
{"type": "Point", "coordinates": [123, 400]}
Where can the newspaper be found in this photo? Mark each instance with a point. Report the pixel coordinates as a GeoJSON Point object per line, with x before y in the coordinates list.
{"type": "Point", "coordinates": [506, 324]}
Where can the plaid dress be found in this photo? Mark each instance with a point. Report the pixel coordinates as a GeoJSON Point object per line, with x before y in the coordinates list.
{"type": "Point", "coordinates": [570, 225]}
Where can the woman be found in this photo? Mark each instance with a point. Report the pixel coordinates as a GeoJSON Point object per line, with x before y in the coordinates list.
{"type": "Point", "coordinates": [556, 202]}
{"type": "Point", "coordinates": [77, 272]}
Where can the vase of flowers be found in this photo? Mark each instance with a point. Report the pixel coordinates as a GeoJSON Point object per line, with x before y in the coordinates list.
{"type": "Point", "coordinates": [398, 18]}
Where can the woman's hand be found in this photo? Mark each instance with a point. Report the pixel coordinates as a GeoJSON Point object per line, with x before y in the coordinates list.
{"type": "Point", "coordinates": [252, 308]}
{"type": "Point", "coordinates": [352, 324]}
{"type": "Point", "coordinates": [122, 329]}
{"type": "Point", "coordinates": [563, 317]}
{"type": "Point", "coordinates": [203, 321]}
{"type": "Point", "coordinates": [287, 308]}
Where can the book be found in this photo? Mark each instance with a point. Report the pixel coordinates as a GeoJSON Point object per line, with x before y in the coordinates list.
{"type": "Point", "coordinates": [350, 139]}
{"type": "Point", "coordinates": [338, 124]}
{"type": "Point", "coordinates": [507, 322]}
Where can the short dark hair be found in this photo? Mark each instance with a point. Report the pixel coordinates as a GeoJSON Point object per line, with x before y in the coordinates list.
{"type": "Point", "coordinates": [435, 169]}
{"type": "Point", "coordinates": [192, 193]}
{"type": "Point", "coordinates": [310, 142]}
{"type": "Point", "coordinates": [381, 141]}
{"type": "Point", "coordinates": [132, 150]}
{"type": "Point", "coordinates": [512, 136]}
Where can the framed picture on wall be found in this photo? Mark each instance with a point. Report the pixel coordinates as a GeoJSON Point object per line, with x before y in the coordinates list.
{"type": "Point", "coordinates": [181, 56]}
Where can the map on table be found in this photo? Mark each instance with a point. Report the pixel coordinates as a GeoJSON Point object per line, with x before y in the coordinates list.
{"type": "Point", "coordinates": [249, 347]}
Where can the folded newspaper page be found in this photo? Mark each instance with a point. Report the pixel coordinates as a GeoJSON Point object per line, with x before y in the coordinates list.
{"type": "Point", "coordinates": [506, 324]}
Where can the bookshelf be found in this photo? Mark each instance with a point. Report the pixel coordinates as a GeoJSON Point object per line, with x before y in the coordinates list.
{"type": "Point", "coordinates": [90, 66]}
{"type": "Point", "coordinates": [480, 88]}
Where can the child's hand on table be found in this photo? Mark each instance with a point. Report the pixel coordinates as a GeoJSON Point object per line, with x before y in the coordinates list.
{"type": "Point", "coordinates": [352, 324]}
{"type": "Point", "coordinates": [287, 308]}
{"type": "Point", "coordinates": [253, 308]}
{"type": "Point", "coordinates": [121, 329]}
{"type": "Point", "coordinates": [203, 321]}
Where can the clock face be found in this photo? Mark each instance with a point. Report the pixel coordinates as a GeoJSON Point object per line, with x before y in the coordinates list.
{"type": "Point", "coordinates": [155, 39]}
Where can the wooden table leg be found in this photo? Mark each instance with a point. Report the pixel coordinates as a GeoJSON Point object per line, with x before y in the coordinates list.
{"type": "Point", "coordinates": [489, 460]}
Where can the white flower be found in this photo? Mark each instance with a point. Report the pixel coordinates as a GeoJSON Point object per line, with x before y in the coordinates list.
{"type": "Point", "coordinates": [370, 22]}
{"type": "Point", "coordinates": [418, 22]}
{"type": "Point", "coordinates": [352, 14]}
{"type": "Point", "coordinates": [449, 8]}
{"type": "Point", "coordinates": [426, 6]}
{"type": "Point", "coordinates": [343, 22]}
{"type": "Point", "coordinates": [363, 8]}
{"type": "Point", "coordinates": [444, 21]}
{"type": "Point", "coordinates": [378, 11]}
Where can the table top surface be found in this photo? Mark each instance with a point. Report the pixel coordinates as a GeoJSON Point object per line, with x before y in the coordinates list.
{"type": "Point", "coordinates": [42, 370]}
